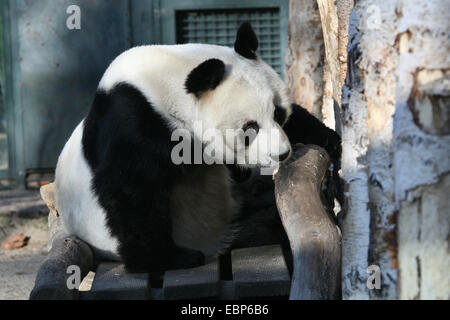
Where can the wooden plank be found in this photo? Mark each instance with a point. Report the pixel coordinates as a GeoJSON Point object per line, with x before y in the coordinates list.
{"type": "Point", "coordinates": [111, 281]}
{"type": "Point", "coordinates": [200, 282]}
{"type": "Point", "coordinates": [260, 272]}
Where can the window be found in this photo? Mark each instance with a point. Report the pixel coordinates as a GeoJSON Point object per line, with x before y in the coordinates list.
{"type": "Point", "coordinates": [219, 27]}
{"type": "Point", "coordinates": [216, 22]}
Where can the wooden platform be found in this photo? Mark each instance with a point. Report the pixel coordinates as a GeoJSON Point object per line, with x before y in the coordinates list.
{"type": "Point", "coordinates": [259, 272]}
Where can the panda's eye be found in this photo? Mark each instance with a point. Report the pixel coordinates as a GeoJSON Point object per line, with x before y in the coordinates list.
{"type": "Point", "coordinates": [279, 115]}
{"type": "Point", "coordinates": [250, 129]}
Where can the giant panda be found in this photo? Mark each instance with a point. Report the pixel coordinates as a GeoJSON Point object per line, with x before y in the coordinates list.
{"type": "Point", "coordinates": [116, 184]}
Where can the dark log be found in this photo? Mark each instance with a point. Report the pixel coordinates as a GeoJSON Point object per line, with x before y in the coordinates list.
{"type": "Point", "coordinates": [51, 280]}
{"type": "Point", "coordinates": [314, 237]}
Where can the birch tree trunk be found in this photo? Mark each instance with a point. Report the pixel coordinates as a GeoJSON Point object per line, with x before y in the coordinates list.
{"type": "Point", "coordinates": [368, 104]}
{"type": "Point", "coordinates": [391, 104]}
{"type": "Point", "coordinates": [395, 162]}
{"type": "Point", "coordinates": [422, 149]}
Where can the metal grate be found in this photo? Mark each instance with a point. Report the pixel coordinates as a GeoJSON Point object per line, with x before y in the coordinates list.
{"type": "Point", "coordinates": [219, 27]}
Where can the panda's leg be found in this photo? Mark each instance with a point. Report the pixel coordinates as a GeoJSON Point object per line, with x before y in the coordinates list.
{"type": "Point", "coordinates": [138, 215]}
{"type": "Point", "coordinates": [143, 253]}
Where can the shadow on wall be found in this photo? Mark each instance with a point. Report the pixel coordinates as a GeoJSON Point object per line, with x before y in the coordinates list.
{"type": "Point", "coordinates": [59, 68]}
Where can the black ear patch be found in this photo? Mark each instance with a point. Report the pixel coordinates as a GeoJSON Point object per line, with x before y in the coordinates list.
{"type": "Point", "coordinates": [246, 42]}
{"type": "Point", "coordinates": [206, 76]}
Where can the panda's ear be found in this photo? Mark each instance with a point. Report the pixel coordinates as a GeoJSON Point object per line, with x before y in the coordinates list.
{"type": "Point", "coordinates": [246, 42]}
{"type": "Point", "coordinates": [206, 76]}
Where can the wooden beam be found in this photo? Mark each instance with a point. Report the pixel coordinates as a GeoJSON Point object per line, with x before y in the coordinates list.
{"type": "Point", "coordinates": [314, 237]}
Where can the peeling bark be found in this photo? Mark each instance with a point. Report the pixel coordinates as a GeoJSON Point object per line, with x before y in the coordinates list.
{"type": "Point", "coordinates": [424, 231]}
{"type": "Point", "coordinates": [429, 100]}
{"type": "Point", "coordinates": [328, 107]}
{"type": "Point", "coordinates": [304, 61]}
{"type": "Point", "coordinates": [422, 148]}
{"type": "Point", "coordinates": [368, 105]}
{"type": "Point", "coordinates": [395, 141]}
{"type": "Point", "coordinates": [335, 21]}
{"type": "Point", "coordinates": [393, 113]}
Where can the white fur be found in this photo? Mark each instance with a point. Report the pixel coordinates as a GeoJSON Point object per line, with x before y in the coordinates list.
{"type": "Point", "coordinates": [77, 205]}
{"type": "Point", "coordinates": [200, 208]}
{"type": "Point", "coordinates": [250, 91]}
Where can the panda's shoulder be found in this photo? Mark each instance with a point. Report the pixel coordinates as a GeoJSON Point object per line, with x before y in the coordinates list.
{"type": "Point", "coordinates": [125, 65]}
{"type": "Point", "coordinates": [122, 117]}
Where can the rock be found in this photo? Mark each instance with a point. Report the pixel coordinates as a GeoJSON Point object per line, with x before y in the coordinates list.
{"type": "Point", "coordinates": [15, 242]}
{"type": "Point", "coordinates": [48, 195]}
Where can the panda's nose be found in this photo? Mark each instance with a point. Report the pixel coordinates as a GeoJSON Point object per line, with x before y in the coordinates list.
{"type": "Point", "coordinates": [282, 156]}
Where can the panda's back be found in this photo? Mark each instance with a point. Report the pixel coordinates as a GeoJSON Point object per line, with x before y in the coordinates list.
{"type": "Point", "coordinates": [160, 71]}
{"type": "Point", "coordinates": [201, 204]}
{"type": "Point", "coordinates": [77, 205]}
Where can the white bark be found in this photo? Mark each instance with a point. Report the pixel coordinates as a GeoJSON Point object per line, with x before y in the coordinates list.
{"type": "Point", "coordinates": [424, 261]}
{"type": "Point", "coordinates": [395, 122]}
{"type": "Point", "coordinates": [422, 164]}
{"type": "Point", "coordinates": [396, 150]}
{"type": "Point", "coordinates": [368, 105]}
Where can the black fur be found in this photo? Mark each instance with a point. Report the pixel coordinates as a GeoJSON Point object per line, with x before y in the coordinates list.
{"type": "Point", "coordinates": [206, 76]}
{"type": "Point", "coordinates": [279, 115]}
{"type": "Point", "coordinates": [303, 127]}
{"type": "Point", "coordinates": [246, 42]}
{"type": "Point", "coordinates": [127, 145]}
{"type": "Point", "coordinates": [259, 221]}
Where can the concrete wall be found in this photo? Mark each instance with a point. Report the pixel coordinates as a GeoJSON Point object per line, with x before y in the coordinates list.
{"type": "Point", "coordinates": [56, 70]}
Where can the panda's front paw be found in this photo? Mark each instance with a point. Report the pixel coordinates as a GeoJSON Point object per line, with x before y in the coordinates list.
{"type": "Point", "coordinates": [332, 144]}
{"type": "Point", "coordinates": [187, 258]}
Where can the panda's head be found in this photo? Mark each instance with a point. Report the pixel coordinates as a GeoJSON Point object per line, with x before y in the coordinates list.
{"type": "Point", "coordinates": [242, 104]}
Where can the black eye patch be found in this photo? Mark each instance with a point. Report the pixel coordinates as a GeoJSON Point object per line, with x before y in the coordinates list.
{"type": "Point", "coordinates": [279, 115]}
{"type": "Point", "coordinates": [251, 129]}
